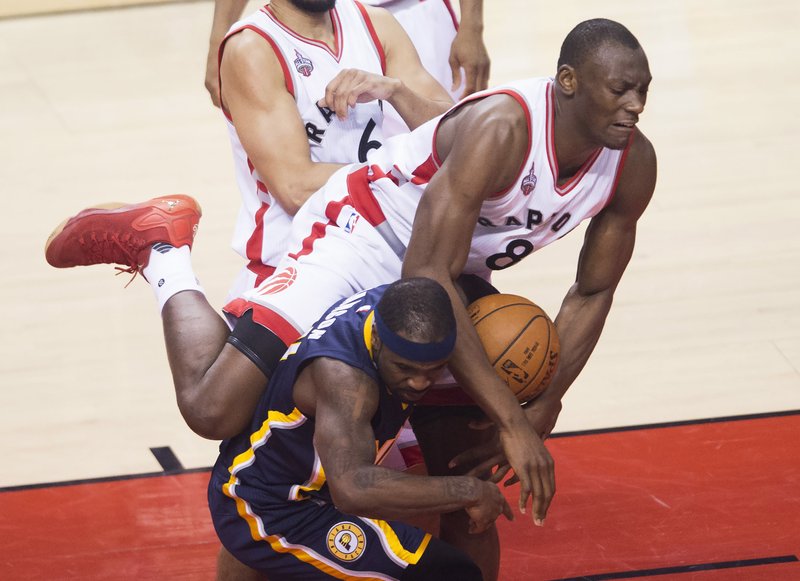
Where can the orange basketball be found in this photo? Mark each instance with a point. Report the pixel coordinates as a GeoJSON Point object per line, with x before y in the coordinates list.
{"type": "Point", "coordinates": [520, 340]}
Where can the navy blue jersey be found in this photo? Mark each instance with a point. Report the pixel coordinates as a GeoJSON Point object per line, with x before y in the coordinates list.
{"type": "Point", "coordinates": [275, 460]}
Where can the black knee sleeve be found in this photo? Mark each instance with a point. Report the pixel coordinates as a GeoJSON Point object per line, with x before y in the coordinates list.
{"type": "Point", "coordinates": [257, 343]}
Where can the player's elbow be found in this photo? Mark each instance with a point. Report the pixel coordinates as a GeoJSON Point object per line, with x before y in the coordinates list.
{"type": "Point", "coordinates": [290, 196]}
{"type": "Point", "coordinates": [351, 496]}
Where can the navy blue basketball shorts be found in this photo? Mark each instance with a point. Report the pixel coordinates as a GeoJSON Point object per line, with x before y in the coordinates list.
{"type": "Point", "coordinates": [307, 540]}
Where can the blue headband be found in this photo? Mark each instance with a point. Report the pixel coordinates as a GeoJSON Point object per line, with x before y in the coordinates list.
{"type": "Point", "coordinates": [422, 352]}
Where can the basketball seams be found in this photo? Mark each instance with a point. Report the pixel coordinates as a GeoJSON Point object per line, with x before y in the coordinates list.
{"type": "Point", "coordinates": [501, 307]}
{"type": "Point", "coordinates": [514, 333]}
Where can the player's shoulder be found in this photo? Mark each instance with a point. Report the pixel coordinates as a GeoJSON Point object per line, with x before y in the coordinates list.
{"type": "Point", "coordinates": [249, 54]}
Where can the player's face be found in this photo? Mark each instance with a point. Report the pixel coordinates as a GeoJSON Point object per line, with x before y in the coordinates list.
{"type": "Point", "coordinates": [314, 5]}
{"type": "Point", "coordinates": [611, 93]}
{"type": "Point", "coordinates": [409, 380]}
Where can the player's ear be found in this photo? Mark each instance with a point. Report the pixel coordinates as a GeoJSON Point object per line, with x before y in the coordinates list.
{"type": "Point", "coordinates": [565, 77]}
{"type": "Point", "coordinates": [376, 341]}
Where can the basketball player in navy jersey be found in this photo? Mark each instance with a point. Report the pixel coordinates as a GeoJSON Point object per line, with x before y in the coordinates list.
{"type": "Point", "coordinates": [299, 494]}
{"type": "Point", "coordinates": [490, 188]}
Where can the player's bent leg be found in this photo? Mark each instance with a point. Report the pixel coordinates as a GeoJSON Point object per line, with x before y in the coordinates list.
{"type": "Point", "coordinates": [155, 238]}
{"type": "Point", "coordinates": [443, 432]}
{"type": "Point", "coordinates": [216, 386]}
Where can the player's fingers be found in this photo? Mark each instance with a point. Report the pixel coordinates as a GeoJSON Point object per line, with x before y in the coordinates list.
{"type": "Point", "coordinates": [511, 481]}
{"type": "Point", "coordinates": [540, 501]}
{"type": "Point", "coordinates": [507, 512]}
{"type": "Point", "coordinates": [455, 69]}
{"type": "Point", "coordinates": [471, 78]}
{"type": "Point", "coordinates": [483, 469]}
{"type": "Point", "coordinates": [524, 494]}
{"type": "Point", "coordinates": [482, 80]}
{"type": "Point", "coordinates": [500, 473]}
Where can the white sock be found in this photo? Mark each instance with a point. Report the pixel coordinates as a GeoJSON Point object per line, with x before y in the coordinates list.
{"type": "Point", "coordinates": [169, 271]}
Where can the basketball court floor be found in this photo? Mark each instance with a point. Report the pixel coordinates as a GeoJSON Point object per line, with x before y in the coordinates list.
{"type": "Point", "coordinates": [677, 450]}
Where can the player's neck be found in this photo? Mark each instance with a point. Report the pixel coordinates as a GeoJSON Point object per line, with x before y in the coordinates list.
{"type": "Point", "coordinates": [572, 146]}
{"type": "Point", "coordinates": [313, 25]}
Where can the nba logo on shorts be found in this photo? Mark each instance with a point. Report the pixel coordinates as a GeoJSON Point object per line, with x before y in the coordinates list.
{"type": "Point", "coordinates": [350, 225]}
{"type": "Point", "coordinates": [278, 282]}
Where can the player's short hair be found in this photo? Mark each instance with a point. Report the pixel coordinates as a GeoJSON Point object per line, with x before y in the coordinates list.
{"type": "Point", "coordinates": [587, 36]}
{"type": "Point", "coordinates": [419, 308]}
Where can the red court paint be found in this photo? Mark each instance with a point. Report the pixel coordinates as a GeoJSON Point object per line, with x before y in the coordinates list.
{"type": "Point", "coordinates": [645, 499]}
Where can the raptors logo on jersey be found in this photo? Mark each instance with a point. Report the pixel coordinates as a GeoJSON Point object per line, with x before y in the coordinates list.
{"type": "Point", "coordinates": [280, 281]}
{"type": "Point", "coordinates": [529, 181]}
{"type": "Point", "coordinates": [303, 65]}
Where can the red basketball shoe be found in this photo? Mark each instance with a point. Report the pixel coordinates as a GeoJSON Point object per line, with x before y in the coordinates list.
{"type": "Point", "coordinates": [123, 233]}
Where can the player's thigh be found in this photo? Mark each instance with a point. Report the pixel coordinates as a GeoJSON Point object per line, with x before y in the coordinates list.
{"type": "Point", "coordinates": [443, 432]}
{"type": "Point", "coordinates": [229, 568]}
{"type": "Point", "coordinates": [442, 561]}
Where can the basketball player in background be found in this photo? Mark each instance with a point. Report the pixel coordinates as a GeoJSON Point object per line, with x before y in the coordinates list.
{"type": "Point", "coordinates": [285, 69]}
{"type": "Point", "coordinates": [341, 393]}
{"type": "Point", "coordinates": [505, 172]}
{"type": "Point", "coordinates": [453, 52]}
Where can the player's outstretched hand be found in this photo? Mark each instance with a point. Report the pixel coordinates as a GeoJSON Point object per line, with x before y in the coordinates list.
{"type": "Point", "coordinates": [490, 506]}
{"type": "Point", "coordinates": [534, 467]}
{"type": "Point", "coordinates": [353, 86]}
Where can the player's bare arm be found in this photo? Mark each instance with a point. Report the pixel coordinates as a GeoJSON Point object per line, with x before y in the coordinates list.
{"type": "Point", "coordinates": [343, 401]}
{"type": "Point", "coordinates": [410, 89]}
{"type": "Point", "coordinates": [266, 118]}
{"type": "Point", "coordinates": [606, 252]}
{"type": "Point", "coordinates": [226, 12]}
{"type": "Point", "coordinates": [472, 171]}
{"type": "Point", "coordinates": [468, 50]}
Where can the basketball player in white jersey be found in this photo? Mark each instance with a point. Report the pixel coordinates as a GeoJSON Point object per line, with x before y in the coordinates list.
{"type": "Point", "coordinates": [476, 190]}
{"type": "Point", "coordinates": [452, 51]}
{"type": "Point", "coordinates": [283, 69]}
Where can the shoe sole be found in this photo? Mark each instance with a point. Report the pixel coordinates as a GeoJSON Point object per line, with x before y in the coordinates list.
{"type": "Point", "coordinates": [111, 207]}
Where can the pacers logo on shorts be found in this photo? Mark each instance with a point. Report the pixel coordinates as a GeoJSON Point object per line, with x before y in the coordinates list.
{"type": "Point", "coordinates": [278, 282]}
{"type": "Point", "coordinates": [346, 541]}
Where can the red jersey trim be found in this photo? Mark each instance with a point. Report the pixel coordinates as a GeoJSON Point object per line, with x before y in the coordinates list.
{"type": "Point", "coordinates": [361, 195]}
{"type": "Point", "coordinates": [452, 13]}
{"type": "Point", "coordinates": [552, 159]}
{"type": "Point", "coordinates": [318, 229]}
{"type": "Point", "coordinates": [265, 317]}
{"type": "Point", "coordinates": [287, 75]}
{"type": "Point", "coordinates": [375, 39]}
{"type": "Point", "coordinates": [337, 32]}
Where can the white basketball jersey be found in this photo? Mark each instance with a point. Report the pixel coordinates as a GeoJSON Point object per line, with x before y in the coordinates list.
{"type": "Point", "coordinates": [262, 227]}
{"type": "Point", "coordinates": [531, 214]}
